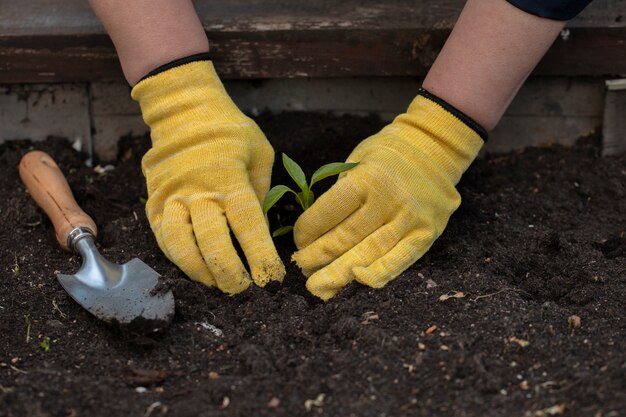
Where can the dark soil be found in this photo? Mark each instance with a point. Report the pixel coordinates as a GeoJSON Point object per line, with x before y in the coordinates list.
{"type": "Point", "coordinates": [540, 237]}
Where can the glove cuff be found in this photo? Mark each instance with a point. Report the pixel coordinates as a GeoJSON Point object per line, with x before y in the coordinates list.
{"type": "Point", "coordinates": [471, 123]}
{"type": "Point", "coordinates": [204, 56]}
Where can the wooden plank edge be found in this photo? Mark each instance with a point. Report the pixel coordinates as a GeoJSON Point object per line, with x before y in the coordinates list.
{"type": "Point", "coordinates": [289, 54]}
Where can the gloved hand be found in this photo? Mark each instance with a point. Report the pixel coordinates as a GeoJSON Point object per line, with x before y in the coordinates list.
{"type": "Point", "coordinates": [207, 173]}
{"type": "Point", "coordinates": [384, 214]}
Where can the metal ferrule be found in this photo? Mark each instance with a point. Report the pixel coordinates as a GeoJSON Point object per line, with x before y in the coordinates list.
{"type": "Point", "coordinates": [77, 234]}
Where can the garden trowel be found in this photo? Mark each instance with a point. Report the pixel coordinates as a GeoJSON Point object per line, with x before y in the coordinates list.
{"type": "Point", "coordinates": [118, 294]}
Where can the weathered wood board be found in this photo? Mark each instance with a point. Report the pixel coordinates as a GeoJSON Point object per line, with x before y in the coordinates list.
{"type": "Point", "coordinates": [62, 40]}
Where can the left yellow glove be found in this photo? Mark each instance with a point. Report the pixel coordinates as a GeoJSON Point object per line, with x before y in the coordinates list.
{"type": "Point", "coordinates": [384, 214]}
{"type": "Point", "coordinates": [207, 173]}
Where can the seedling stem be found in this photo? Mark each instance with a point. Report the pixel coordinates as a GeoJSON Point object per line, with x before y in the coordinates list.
{"type": "Point", "coordinates": [305, 196]}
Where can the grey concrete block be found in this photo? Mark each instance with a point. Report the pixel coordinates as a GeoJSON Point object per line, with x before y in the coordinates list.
{"type": "Point", "coordinates": [550, 110]}
{"type": "Point", "coordinates": [559, 97]}
{"type": "Point", "coordinates": [38, 111]}
{"type": "Point", "coordinates": [614, 125]}
{"type": "Point", "coordinates": [113, 114]}
{"type": "Point", "coordinates": [386, 97]}
{"type": "Point", "coordinates": [546, 110]}
{"type": "Point", "coordinates": [108, 129]}
{"type": "Point", "coordinates": [517, 132]}
{"type": "Point", "coordinates": [111, 98]}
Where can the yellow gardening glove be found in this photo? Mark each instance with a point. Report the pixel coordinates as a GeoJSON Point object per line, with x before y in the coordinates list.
{"type": "Point", "coordinates": [207, 173]}
{"type": "Point", "coordinates": [384, 214]}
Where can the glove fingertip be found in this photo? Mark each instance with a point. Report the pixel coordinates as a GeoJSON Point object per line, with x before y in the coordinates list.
{"type": "Point", "coordinates": [269, 271]}
{"type": "Point", "coordinates": [321, 288]}
{"type": "Point", "coordinates": [299, 260]}
{"type": "Point", "coordinates": [236, 285]}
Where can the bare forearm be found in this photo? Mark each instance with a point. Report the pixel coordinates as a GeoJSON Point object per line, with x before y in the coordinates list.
{"type": "Point", "coordinates": [150, 33]}
{"type": "Point", "coordinates": [488, 56]}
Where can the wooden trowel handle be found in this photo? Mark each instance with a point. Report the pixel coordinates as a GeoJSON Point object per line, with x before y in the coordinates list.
{"type": "Point", "coordinates": [49, 188]}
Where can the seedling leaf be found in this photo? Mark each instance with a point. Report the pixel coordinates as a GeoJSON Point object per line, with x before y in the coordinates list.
{"type": "Point", "coordinates": [274, 195]}
{"type": "Point", "coordinates": [305, 197]}
{"type": "Point", "coordinates": [282, 231]}
{"type": "Point", "coordinates": [331, 169]}
{"type": "Point", "coordinates": [295, 172]}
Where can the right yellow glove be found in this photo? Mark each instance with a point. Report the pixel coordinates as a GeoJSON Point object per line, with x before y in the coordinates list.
{"type": "Point", "coordinates": [384, 214]}
{"type": "Point", "coordinates": [207, 173]}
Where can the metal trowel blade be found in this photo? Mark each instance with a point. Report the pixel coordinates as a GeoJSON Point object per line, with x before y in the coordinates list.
{"type": "Point", "coordinates": [126, 297]}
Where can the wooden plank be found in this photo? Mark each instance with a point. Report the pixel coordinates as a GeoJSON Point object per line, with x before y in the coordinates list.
{"type": "Point", "coordinates": [599, 51]}
{"type": "Point", "coordinates": [74, 17]}
{"type": "Point", "coordinates": [62, 41]}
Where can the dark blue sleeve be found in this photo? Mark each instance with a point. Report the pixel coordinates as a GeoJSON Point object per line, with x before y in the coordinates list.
{"type": "Point", "coordinates": [552, 9]}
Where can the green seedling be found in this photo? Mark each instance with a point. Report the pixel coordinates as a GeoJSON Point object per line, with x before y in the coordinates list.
{"type": "Point", "coordinates": [45, 344]}
{"type": "Point", "coordinates": [305, 196]}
